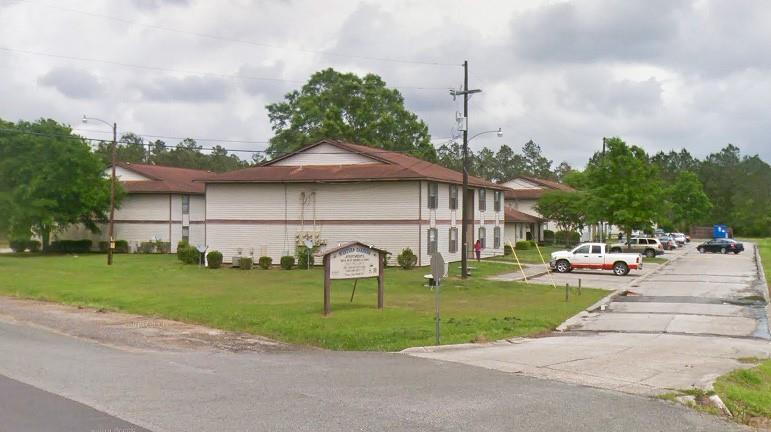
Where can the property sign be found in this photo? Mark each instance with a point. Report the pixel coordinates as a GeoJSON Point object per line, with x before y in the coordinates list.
{"type": "Point", "coordinates": [354, 262]}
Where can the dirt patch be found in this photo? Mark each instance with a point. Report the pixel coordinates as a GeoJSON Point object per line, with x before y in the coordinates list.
{"type": "Point", "coordinates": [134, 332]}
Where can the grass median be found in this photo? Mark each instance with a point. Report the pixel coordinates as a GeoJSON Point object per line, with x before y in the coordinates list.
{"type": "Point", "coordinates": [287, 305]}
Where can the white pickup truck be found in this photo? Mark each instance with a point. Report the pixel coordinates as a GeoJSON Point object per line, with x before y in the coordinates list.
{"type": "Point", "coordinates": [594, 256]}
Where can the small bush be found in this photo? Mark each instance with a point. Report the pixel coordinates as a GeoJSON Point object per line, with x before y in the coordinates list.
{"type": "Point", "coordinates": [265, 262]}
{"type": "Point", "coordinates": [507, 250]}
{"type": "Point", "coordinates": [567, 237]}
{"type": "Point", "coordinates": [188, 254]}
{"type": "Point", "coordinates": [33, 246]}
{"type": "Point", "coordinates": [548, 236]}
{"type": "Point", "coordinates": [146, 247]}
{"type": "Point", "coordinates": [407, 259]}
{"type": "Point", "coordinates": [103, 245]}
{"type": "Point", "coordinates": [71, 246]}
{"type": "Point", "coordinates": [303, 260]}
{"type": "Point", "coordinates": [245, 263]}
{"type": "Point", "coordinates": [532, 244]}
{"type": "Point", "coordinates": [18, 245]}
{"type": "Point", "coordinates": [523, 245]}
{"type": "Point", "coordinates": [121, 246]}
{"type": "Point", "coordinates": [162, 247]}
{"type": "Point", "coordinates": [214, 258]}
{"type": "Point", "coordinates": [287, 262]}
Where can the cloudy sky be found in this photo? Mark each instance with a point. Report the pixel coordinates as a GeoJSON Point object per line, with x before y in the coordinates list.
{"type": "Point", "coordinates": [662, 74]}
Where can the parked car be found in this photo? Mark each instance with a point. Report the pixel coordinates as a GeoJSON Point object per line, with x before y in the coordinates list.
{"type": "Point", "coordinates": [679, 238]}
{"type": "Point", "coordinates": [649, 247]}
{"type": "Point", "coordinates": [722, 245]}
{"type": "Point", "coordinates": [595, 256]}
{"type": "Point", "coordinates": [667, 242]}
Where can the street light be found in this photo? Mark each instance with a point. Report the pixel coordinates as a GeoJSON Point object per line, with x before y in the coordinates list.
{"type": "Point", "coordinates": [111, 244]}
{"type": "Point", "coordinates": [498, 132]}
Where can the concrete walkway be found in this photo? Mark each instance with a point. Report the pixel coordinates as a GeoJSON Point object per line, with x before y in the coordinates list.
{"type": "Point", "coordinates": [688, 322]}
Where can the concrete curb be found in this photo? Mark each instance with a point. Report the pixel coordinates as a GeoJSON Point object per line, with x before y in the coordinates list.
{"type": "Point", "coordinates": [763, 284]}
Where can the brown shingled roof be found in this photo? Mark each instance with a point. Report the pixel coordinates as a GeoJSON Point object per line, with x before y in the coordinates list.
{"type": "Point", "coordinates": [512, 215]}
{"type": "Point", "coordinates": [164, 179]}
{"type": "Point", "coordinates": [385, 166]}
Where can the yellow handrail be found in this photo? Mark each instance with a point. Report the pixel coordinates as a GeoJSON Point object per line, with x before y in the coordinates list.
{"type": "Point", "coordinates": [513, 252]}
{"type": "Point", "coordinates": [548, 269]}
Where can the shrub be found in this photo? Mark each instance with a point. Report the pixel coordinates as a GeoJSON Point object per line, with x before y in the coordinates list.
{"type": "Point", "coordinates": [162, 247]}
{"type": "Point", "coordinates": [71, 246]}
{"type": "Point", "coordinates": [507, 250]}
{"type": "Point", "coordinates": [303, 260]}
{"type": "Point", "coordinates": [146, 247]}
{"type": "Point", "coordinates": [548, 236]}
{"type": "Point", "coordinates": [532, 244]}
{"type": "Point", "coordinates": [121, 246]}
{"type": "Point", "coordinates": [523, 245]}
{"type": "Point", "coordinates": [214, 258]}
{"type": "Point", "coordinates": [287, 262]}
{"type": "Point", "coordinates": [245, 263]}
{"type": "Point", "coordinates": [265, 262]}
{"type": "Point", "coordinates": [188, 254]}
{"type": "Point", "coordinates": [103, 246]}
{"type": "Point", "coordinates": [407, 259]}
{"type": "Point", "coordinates": [33, 246]}
{"type": "Point", "coordinates": [18, 245]}
{"type": "Point", "coordinates": [567, 237]}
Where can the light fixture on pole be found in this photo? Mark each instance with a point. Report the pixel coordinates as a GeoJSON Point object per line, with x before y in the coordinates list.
{"type": "Point", "coordinates": [111, 241]}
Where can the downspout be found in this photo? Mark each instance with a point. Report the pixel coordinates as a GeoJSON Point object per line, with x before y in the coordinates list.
{"type": "Point", "coordinates": [286, 222]}
{"type": "Point", "coordinates": [169, 220]}
{"type": "Point", "coordinates": [205, 212]}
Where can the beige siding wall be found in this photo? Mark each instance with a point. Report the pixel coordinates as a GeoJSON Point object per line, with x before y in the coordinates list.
{"type": "Point", "coordinates": [519, 183]}
{"type": "Point", "coordinates": [325, 154]}
{"type": "Point", "coordinates": [148, 207]}
{"type": "Point", "coordinates": [252, 216]}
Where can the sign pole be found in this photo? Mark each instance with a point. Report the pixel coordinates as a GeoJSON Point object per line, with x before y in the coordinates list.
{"type": "Point", "coordinates": [327, 286]}
{"type": "Point", "coordinates": [438, 318]}
{"type": "Point", "coordinates": [437, 273]}
{"type": "Point", "coordinates": [381, 281]}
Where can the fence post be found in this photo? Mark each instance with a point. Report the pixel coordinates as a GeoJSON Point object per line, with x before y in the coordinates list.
{"type": "Point", "coordinates": [566, 291]}
{"type": "Point", "coordinates": [579, 286]}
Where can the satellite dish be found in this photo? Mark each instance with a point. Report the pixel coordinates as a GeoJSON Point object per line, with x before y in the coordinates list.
{"type": "Point", "coordinates": [202, 248]}
{"type": "Point", "coordinates": [308, 244]}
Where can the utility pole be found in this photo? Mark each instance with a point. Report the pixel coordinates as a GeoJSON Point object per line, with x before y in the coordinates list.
{"type": "Point", "coordinates": [111, 245]}
{"type": "Point", "coordinates": [465, 210]}
{"type": "Point", "coordinates": [602, 224]}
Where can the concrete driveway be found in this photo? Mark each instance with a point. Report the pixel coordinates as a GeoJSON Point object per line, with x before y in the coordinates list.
{"type": "Point", "coordinates": [685, 323]}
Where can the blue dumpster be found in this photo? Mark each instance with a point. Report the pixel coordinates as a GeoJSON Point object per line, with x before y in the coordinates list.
{"type": "Point", "coordinates": [719, 231]}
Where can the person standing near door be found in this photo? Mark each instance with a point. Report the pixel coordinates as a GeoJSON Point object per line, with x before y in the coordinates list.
{"type": "Point", "coordinates": [478, 249]}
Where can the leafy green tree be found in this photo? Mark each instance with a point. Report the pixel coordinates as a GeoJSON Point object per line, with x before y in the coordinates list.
{"type": "Point", "coordinates": [509, 164]}
{"type": "Point", "coordinates": [624, 187]}
{"type": "Point", "coordinates": [673, 163]}
{"type": "Point", "coordinates": [49, 180]}
{"type": "Point", "coordinates": [566, 209]}
{"type": "Point", "coordinates": [562, 170]}
{"type": "Point", "coordinates": [485, 165]}
{"type": "Point", "coordinates": [451, 155]}
{"type": "Point", "coordinates": [687, 201]}
{"type": "Point", "coordinates": [130, 148]}
{"type": "Point", "coordinates": [345, 106]}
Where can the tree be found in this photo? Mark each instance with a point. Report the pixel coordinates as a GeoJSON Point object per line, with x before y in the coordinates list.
{"type": "Point", "coordinates": [672, 163]}
{"type": "Point", "coordinates": [624, 187]}
{"type": "Point", "coordinates": [485, 165]}
{"type": "Point", "coordinates": [536, 164]}
{"type": "Point", "coordinates": [687, 201]}
{"type": "Point", "coordinates": [130, 148]}
{"type": "Point", "coordinates": [509, 164]}
{"type": "Point", "coordinates": [451, 156]}
{"type": "Point", "coordinates": [562, 170]}
{"type": "Point", "coordinates": [567, 209]}
{"type": "Point", "coordinates": [50, 179]}
{"type": "Point", "coordinates": [188, 154]}
{"type": "Point", "coordinates": [345, 106]}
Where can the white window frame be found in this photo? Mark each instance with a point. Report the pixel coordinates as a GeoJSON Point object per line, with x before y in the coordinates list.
{"type": "Point", "coordinates": [432, 245]}
{"type": "Point", "coordinates": [453, 204]}
{"type": "Point", "coordinates": [497, 237]}
{"type": "Point", "coordinates": [453, 243]}
{"type": "Point", "coordinates": [185, 204]}
{"type": "Point", "coordinates": [433, 195]}
{"type": "Point", "coordinates": [482, 236]}
{"type": "Point", "coordinates": [186, 233]}
{"type": "Point", "coordinates": [482, 195]}
{"type": "Point", "coordinates": [497, 195]}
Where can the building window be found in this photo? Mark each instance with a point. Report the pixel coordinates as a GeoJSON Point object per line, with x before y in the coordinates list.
{"type": "Point", "coordinates": [453, 197]}
{"type": "Point", "coordinates": [185, 204]}
{"type": "Point", "coordinates": [497, 237]}
{"type": "Point", "coordinates": [497, 195]}
{"type": "Point", "coordinates": [432, 240]}
{"type": "Point", "coordinates": [482, 200]}
{"type": "Point", "coordinates": [453, 240]}
{"type": "Point", "coordinates": [483, 237]}
{"type": "Point", "coordinates": [433, 195]}
{"type": "Point", "coordinates": [186, 234]}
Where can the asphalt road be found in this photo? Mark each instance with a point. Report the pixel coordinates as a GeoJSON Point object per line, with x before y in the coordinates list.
{"type": "Point", "coordinates": [26, 408]}
{"type": "Point", "coordinates": [301, 390]}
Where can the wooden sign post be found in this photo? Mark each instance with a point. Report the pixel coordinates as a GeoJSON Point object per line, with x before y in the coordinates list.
{"type": "Point", "coordinates": [353, 260]}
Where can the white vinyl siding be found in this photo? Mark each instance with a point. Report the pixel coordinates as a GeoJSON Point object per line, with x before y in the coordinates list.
{"type": "Point", "coordinates": [325, 154]}
{"type": "Point", "coordinates": [122, 174]}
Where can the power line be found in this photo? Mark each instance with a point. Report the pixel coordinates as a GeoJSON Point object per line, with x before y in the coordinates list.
{"type": "Point", "coordinates": [248, 42]}
{"type": "Point", "coordinates": [162, 69]}
{"type": "Point", "coordinates": [235, 141]}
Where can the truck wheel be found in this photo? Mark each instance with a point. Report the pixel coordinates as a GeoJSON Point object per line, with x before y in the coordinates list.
{"type": "Point", "coordinates": [562, 266]}
{"type": "Point", "coordinates": [650, 253]}
{"type": "Point", "coordinates": [722, 251]}
{"type": "Point", "coordinates": [615, 250]}
{"type": "Point", "coordinates": [620, 268]}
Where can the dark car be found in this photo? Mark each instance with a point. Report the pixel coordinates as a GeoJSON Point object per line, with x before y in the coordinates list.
{"type": "Point", "coordinates": [722, 245]}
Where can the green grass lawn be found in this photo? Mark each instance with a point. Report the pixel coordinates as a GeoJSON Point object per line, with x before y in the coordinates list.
{"type": "Point", "coordinates": [287, 305]}
{"type": "Point", "coordinates": [747, 392]}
